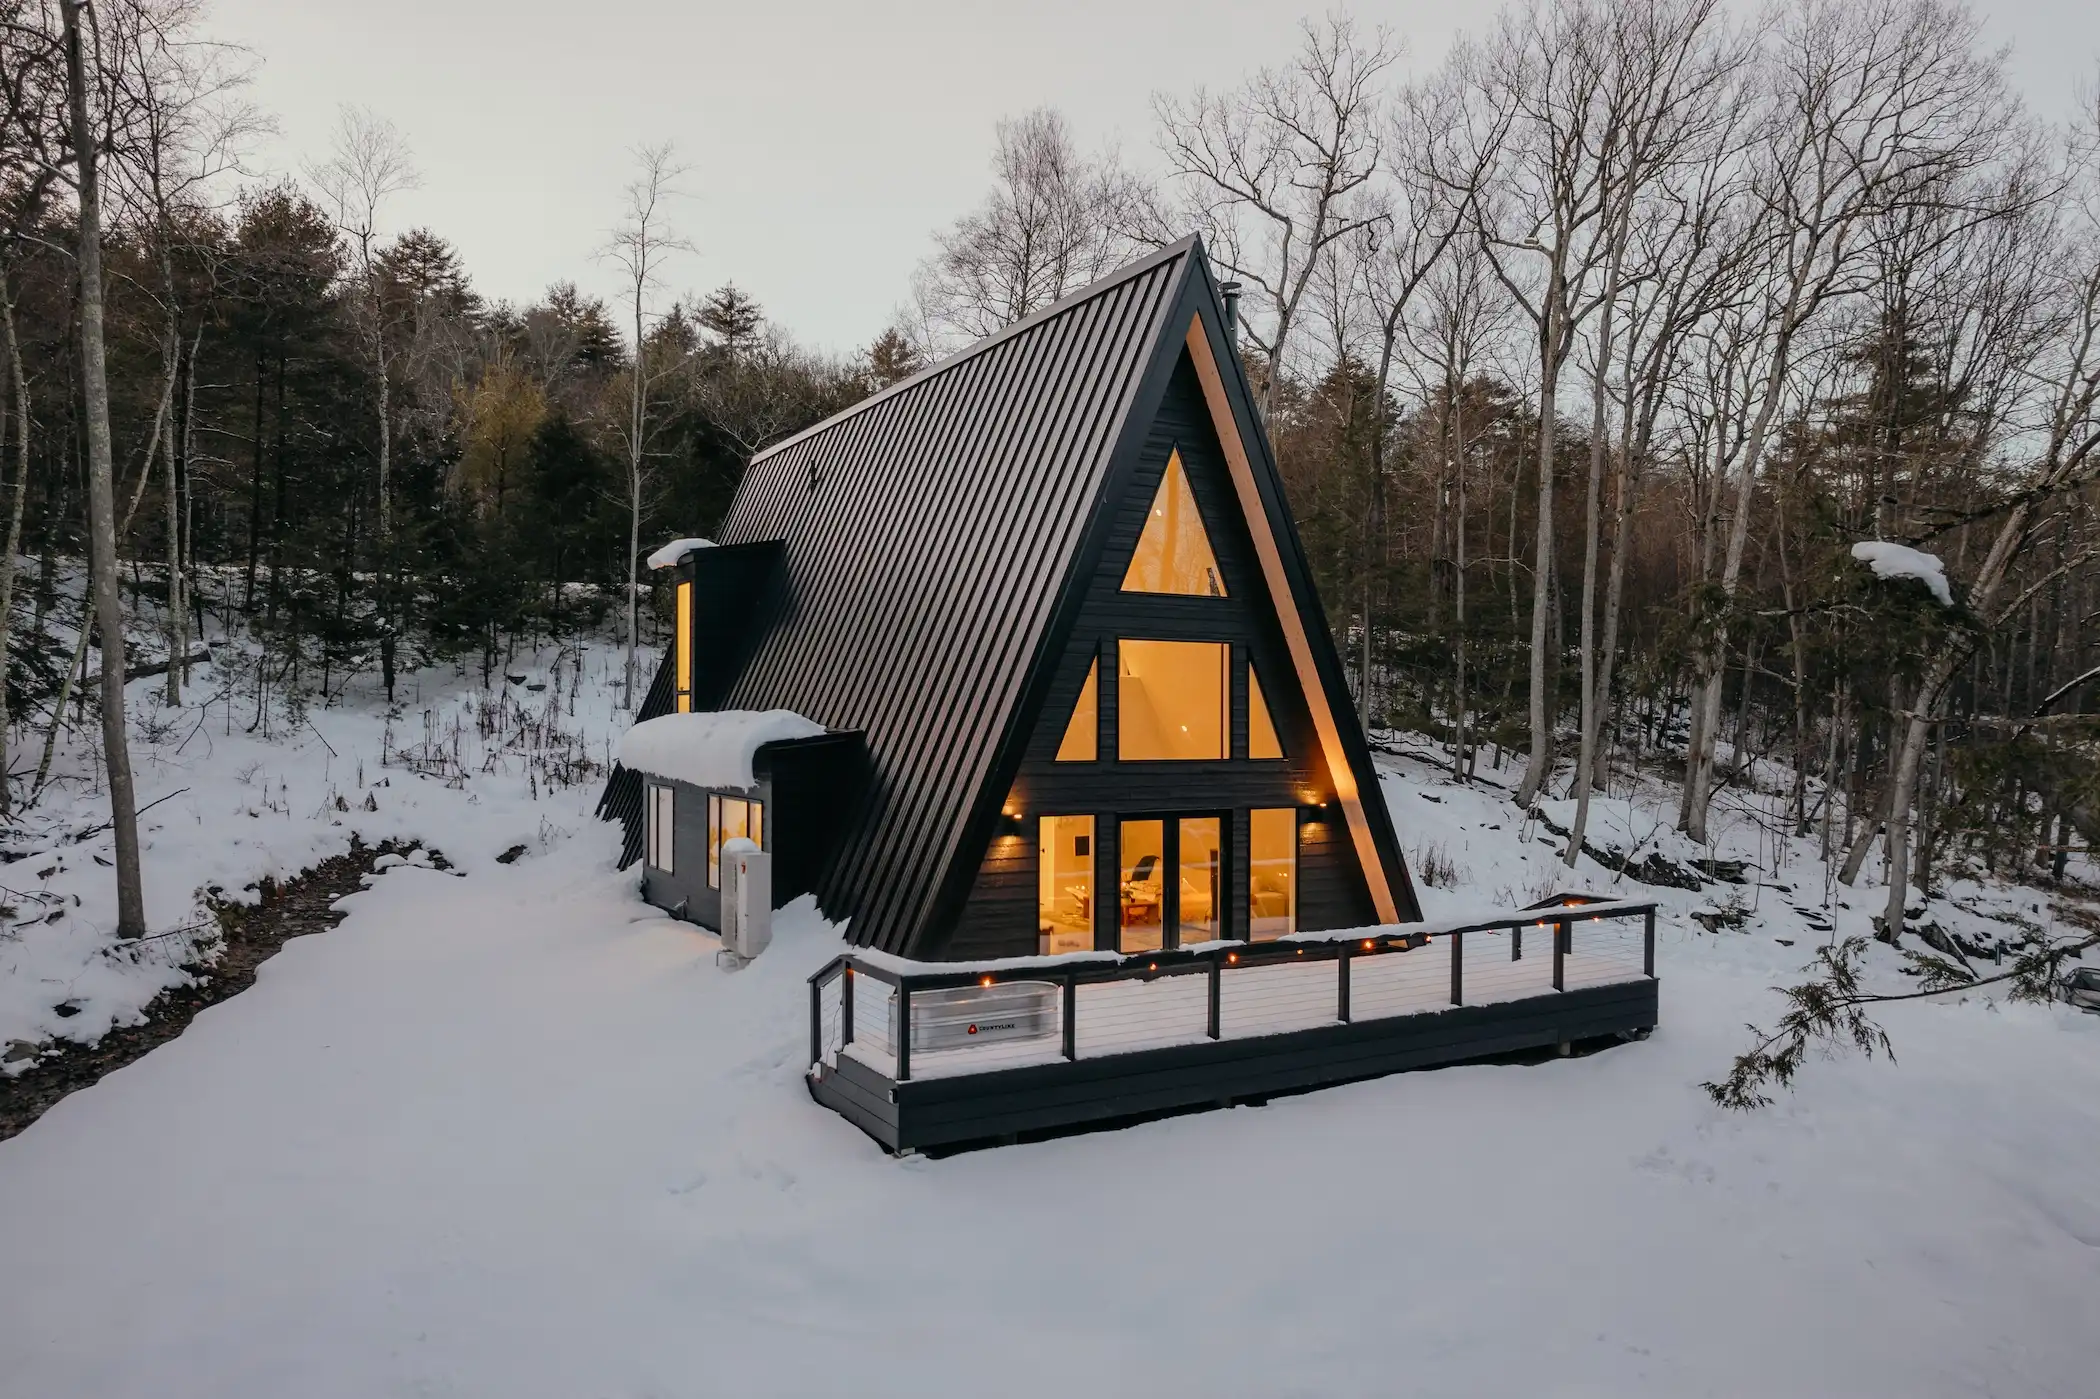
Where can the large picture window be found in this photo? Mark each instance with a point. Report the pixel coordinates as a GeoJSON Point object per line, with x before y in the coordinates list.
{"type": "Point", "coordinates": [663, 812]}
{"type": "Point", "coordinates": [727, 819]}
{"type": "Point", "coordinates": [1272, 872]}
{"type": "Point", "coordinates": [1173, 552]}
{"type": "Point", "coordinates": [1064, 901]}
{"type": "Point", "coordinates": [1173, 700]}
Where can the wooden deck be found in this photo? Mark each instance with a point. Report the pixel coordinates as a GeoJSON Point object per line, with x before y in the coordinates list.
{"type": "Point", "coordinates": [1032, 1044]}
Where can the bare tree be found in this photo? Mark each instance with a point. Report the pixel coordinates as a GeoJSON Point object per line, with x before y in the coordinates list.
{"type": "Point", "coordinates": [1275, 171]}
{"type": "Point", "coordinates": [1055, 220]}
{"type": "Point", "coordinates": [187, 135]}
{"type": "Point", "coordinates": [638, 246]}
{"type": "Point", "coordinates": [102, 523]}
{"type": "Point", "coordinates": [368, 165]}
{"type": "Point", "coordinates": [1670, 101]}
{"type": "Point", "coordinates": [1868, 106]}
{"type": "Point", "coordinates": [1542, 79]}
{"type": "Point", "coordinates": [1421, 215]}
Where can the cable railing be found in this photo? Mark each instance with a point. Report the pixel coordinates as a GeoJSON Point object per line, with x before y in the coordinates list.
{"type": "Point", "coordinates": [911, 1019]}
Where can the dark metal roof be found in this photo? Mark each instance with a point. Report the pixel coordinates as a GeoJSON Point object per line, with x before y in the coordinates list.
{"type": "Point", "coordinates": [928, 534]}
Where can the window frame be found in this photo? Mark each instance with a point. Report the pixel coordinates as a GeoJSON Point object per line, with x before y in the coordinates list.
{"type": "Point", "coordinates": [660, 838]}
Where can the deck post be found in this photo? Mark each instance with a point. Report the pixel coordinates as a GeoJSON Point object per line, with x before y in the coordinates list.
{"type": "Point", "coordinates": [1216, 977]}
{"type": "Point", "coordinates": [1458, 968]}
{"type": "Point", "coordinates": [903, 1029]}
{"type": "Point", "coordinates": [1516, 942]}
{"type": "Point", "coordinates": [1341, 985]}
{"type": "Point", "coordinates": [1071, 1026]}
{"type": "Point", "coordinates": [846, 1006]}
{"type": "Point", "coordinates": [1560, 954]}
{"type": "Point", "coordinates": [1648, 945]}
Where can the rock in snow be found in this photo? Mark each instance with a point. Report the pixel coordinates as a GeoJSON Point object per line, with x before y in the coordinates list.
{"type": "Point", "coordinates": [710, 750]}
{"type": "Point", "coordinates": [1901, 561]}
{"type": "Point", "coordinates": [673, 554]}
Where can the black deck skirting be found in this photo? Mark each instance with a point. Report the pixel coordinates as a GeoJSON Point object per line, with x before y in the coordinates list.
{"type": "Point", "coordinates": [980, 1107]}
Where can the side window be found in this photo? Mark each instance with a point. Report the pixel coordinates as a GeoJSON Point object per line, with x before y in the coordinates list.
{"type": "Point", "coordinates": [1272, 872]}
{"type": "Point", "coordinates": [1261, 724]}
{"type": "Point", "coordinates": [684, 648]}
{"type": "Point", "coordinates": [1082, 740]}
{"type": "Point", "coordinates": [662, 811]}
{"type": "Point", "coordinates": [730, 818]}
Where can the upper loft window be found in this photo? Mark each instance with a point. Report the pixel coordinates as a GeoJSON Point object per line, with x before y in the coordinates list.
{"type": "Point", "coordinates": [1082, 740]}
{"type": "Point", "coordinates": [1173, 700]}
{"type": "Point", "coordinates": [1173, 552]}
{"type": "Point", "coordinates": [684, 647]}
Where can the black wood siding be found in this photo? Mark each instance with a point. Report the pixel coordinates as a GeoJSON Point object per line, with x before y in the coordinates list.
{"type": "Point", "coordinates": [999, 917]}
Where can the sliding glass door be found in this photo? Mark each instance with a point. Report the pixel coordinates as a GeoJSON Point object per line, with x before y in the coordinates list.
{"type": "Point", "coordinates": [1173, 881]}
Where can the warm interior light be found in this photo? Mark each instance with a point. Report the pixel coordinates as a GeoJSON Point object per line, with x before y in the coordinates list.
{"type": "Point", "coordinates": [1151, 966]}
{"type": "Point", "coordinates": [986, 982]}
{"type": "Point", "coordinates": [1232, 956]}
{"type": "Point", "coordinates": [1367, 944]}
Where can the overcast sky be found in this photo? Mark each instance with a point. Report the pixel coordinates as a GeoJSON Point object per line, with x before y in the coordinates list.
{"type": "Point", "coordinates": [826, 140]}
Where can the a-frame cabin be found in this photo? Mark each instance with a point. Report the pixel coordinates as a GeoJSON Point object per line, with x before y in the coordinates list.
{"type": "Point", "coordinates": [1047, 605]}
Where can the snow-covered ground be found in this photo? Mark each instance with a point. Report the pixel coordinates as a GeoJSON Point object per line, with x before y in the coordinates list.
{"type": "Point", "coordinates": [510, 1131]}
{"type": "Point", "coordinates": [227, 801]}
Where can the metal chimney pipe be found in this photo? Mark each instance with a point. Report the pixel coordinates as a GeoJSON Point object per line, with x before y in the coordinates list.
{"type": "Point", "coordinates": [1231, 292]}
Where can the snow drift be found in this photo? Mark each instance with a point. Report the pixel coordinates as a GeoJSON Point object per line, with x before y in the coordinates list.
{"type": "Point", "coordinates": [673, 554]}
{"type": "Point", "coordinates": [710, 750]}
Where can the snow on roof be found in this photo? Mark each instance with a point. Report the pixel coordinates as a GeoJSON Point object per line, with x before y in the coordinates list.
{"type": "Point", "coordinates": [710, 750]}
{"type": "Point", "coordinates": [1901, 561]}
{"type": "Point", "coordinates": [673, 554]}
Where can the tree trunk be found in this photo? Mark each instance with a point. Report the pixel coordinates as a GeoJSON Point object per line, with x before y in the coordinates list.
{"type": "Point", "coordinates": [1594, 696]}
{"type": "Point", "coordinates": [18, 386]}
{"type": "Point", "coordinates": [172, 695]}
{"type": "Point", "coordinates": [102, 522]}
{"type": "Point", "coordinates": [1540, 767]}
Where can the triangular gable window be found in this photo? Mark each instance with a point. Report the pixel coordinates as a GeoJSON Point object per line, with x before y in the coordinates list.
{"type": "Point", "coordinates": [1261, 725]}
{"type": "Point", "coordinates": [1173, 553]}
{"type": "Point", "coordinates": [1082, 741]}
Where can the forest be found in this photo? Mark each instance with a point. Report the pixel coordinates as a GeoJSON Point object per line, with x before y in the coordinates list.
{"type": "Point", "coordinates": [1660, 386]}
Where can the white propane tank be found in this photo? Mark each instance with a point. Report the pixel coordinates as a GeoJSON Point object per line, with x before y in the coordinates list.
{"type": "Point", "coordinates": [747, 898]}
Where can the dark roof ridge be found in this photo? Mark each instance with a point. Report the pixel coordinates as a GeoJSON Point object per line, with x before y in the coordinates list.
{"type": "Point", "coordinates": [1092, 289]}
